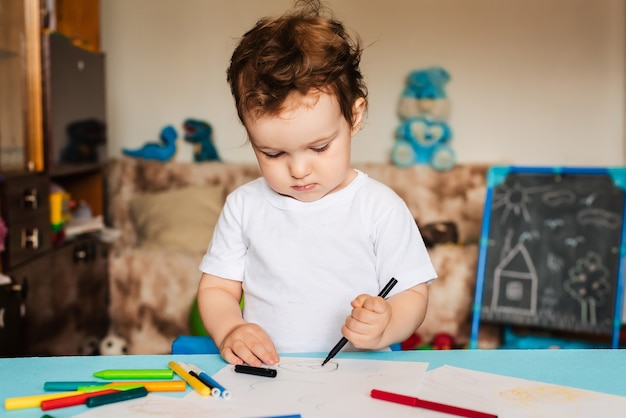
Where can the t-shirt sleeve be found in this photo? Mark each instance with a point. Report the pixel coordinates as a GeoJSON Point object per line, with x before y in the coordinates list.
{"type": "Point", "coordinates": [400, 249]}
{"type": "Point", "coordinates": [226, 254]}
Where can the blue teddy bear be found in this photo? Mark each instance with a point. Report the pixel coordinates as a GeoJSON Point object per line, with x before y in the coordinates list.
{"type": "Point", "coordinates": [423, 135]}
{"type": "Point", "coordinates": [423, 140]}
{"type": "Point", "coordinates": [425, 95]}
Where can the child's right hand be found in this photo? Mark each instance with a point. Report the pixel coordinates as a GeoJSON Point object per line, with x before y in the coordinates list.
{"type": "Point", "coordinates": [249, 344]}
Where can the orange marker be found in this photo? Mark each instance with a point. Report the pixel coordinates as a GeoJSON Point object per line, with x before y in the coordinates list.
{"type": "Point", "coordinates": [155, 386]}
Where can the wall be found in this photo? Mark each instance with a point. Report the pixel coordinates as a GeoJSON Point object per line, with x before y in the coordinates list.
{"type": "Point", "coordinates": [533, 81]}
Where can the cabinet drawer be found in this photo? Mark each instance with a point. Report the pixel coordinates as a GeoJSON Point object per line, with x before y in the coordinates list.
{"type": "Point", "coordinates": [25, 197]}
{"type": "Point", "coordinates": [12, 320]}
{"type": "Point", "coordinates": [67, 298]}
{"type": "Point", "coordinates": [26, 240]}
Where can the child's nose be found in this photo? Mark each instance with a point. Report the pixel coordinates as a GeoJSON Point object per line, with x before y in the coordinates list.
{"type": "Point", "coordinates": [299, 167]}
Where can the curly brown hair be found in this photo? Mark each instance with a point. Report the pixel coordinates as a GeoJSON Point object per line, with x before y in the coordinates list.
{"type": "Point", "coordinates": [303, 50]}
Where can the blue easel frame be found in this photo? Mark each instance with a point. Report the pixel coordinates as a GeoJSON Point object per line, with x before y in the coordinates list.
{"type": "Point", "coordinates": [495, 176]}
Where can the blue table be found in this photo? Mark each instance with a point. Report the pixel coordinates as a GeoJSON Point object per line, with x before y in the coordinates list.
{"type": "Point", "coordinates": [602, 370]}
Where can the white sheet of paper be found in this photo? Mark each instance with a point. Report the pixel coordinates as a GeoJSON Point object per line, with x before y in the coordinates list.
{"type": "Point", "coordinates": [510, 397]}
{"type": "Point", "coordinates": [301, 387]}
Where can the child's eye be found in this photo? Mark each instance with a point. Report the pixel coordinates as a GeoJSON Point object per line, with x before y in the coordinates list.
{"type": "Point", "coordinates": [321, 149]}
{"type": "Point", "coordinates": [273, 155]}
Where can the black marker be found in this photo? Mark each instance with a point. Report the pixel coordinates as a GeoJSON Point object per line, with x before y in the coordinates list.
{"type": "Point", "coordinates": [214, 390]}
{"type": "Point", "coordinates": [343, 341]}
{"type": "Point", "coordinates": [257, 371]}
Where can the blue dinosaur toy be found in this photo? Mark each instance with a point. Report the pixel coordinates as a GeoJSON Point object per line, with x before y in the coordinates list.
{"type": "Point", "coordinates": [425, 95]}
{"type": "Point", "coordinates": [423, 140]}
{"type": "Point", "coordinates": [200, 134]}
{"type": "Point", "coordinates": [162, 151]}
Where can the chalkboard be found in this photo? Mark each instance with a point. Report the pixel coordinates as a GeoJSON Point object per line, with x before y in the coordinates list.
{"type": "Point", "coordinates": [552, 249]}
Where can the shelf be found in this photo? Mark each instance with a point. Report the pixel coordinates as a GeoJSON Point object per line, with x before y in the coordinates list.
{"type": "Point", "coordinates": [66, 170]}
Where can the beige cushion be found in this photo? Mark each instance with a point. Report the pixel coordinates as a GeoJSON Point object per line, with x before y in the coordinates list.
{"type": "Point", "coordinates": [180, 219]}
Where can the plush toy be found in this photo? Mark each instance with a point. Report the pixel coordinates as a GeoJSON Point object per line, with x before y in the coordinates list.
{"type": "Point", "coordinates": [85, 136]}
{"type": "Point", "coordinates": [439, 233]}
{"type": "Point", "coordinates": [200, 134]}
{"type": "Point", "coordinates": [162, 151]}
{"type": "Point", "coordinates": [89, 347]}
{"type": "Point", "coordinates": [425, 95]}
{"type": "Point", "coordinates": [423, 134]}
{"type": "Point", "coordinates": [423, 140]}
{"type": "Point", "coordinates": [113, 345]}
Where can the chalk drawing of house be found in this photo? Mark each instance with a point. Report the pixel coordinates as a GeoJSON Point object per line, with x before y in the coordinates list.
{"type": "Point", "coordinates": [515, 283]}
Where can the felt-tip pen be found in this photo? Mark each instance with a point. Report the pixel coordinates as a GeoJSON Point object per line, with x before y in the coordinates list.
{"type": "Point", "coordinates": [214, 391]}
{"type": "Point", "coordinates": [430, 405]}
{"type": "Point", "coordinates": [284, 416]}
{"type": "Point", "coordinates": [116, 397]}
{"type": "Point", "coordinates": [34, 401]}
{"type": "Point", "coordinates": [135, 374]}
{"type": "Point", "coordinates": [72, 400]}
{"type": "Point", "coordinates": [224, 393]}
{"type": "Point", "coordinates": [193, 382]}
{"type": "Point", "coordinates": [257, 371]}
{"type": "Point", "coordinates": [343, 341]}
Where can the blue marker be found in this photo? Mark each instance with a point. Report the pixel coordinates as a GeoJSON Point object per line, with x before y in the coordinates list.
{"type": "Point", "coordinates": [223, 392]}
{"type": "Point", "coordinates": [284, 416]}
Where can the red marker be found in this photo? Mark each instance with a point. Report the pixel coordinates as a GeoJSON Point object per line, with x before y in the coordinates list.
{"type": "Point", "coordinates": [72, 400]}
{"type": "Point", "coordinates": [433, 406]}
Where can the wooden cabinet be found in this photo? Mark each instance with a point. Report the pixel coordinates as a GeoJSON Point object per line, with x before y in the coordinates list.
{"type": "Point", "coordinates": [23, 187]}
{"type": "Point", "coordinates": [73, 93]}
{"type": "Point", "coordinates": [75, 104]}
{"type": "Point", "coordinates": [52, 131]}
{"type": "Point", "coordinates": [79, 21]}
{"type": "Point", "coordinates": [21, 145]}
{"type": "Point", "coordinates": [75, 119]}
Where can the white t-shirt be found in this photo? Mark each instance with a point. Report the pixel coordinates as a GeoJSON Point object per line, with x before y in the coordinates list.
{"type": "Point", "coordinates": [302, 263]}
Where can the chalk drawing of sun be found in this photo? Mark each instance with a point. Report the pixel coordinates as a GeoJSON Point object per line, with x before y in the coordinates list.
{"type": "Point", "coordinates": [514, 199]}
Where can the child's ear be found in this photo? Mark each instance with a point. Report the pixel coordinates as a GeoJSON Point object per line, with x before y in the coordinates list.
{"type": "Point", "coordinates": [358, 113]}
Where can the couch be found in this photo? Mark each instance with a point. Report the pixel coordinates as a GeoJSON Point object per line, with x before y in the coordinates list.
{"type": "Point", "coordinates": [165, 214]}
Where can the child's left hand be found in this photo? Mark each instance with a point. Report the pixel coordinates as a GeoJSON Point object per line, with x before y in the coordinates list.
{"type": "Point", "coordinates": [366, 324]}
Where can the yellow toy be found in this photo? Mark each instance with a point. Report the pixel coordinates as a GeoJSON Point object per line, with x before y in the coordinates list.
{"type": "Point", "coordinates": [59, 209]}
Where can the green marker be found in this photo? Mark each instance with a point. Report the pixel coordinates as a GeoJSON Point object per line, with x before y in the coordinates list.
{"type": "Point", "coordinates": [135, 374]}
{"type": "Point", "coordinates": [116, 397]}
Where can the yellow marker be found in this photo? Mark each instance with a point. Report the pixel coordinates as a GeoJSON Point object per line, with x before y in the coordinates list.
{"type": "Point", "coordinates": [155, 386]}
{"type": "Point", "coordinates": [193, 382]}
{"type": "Point", "coordinates": [34, 401]}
